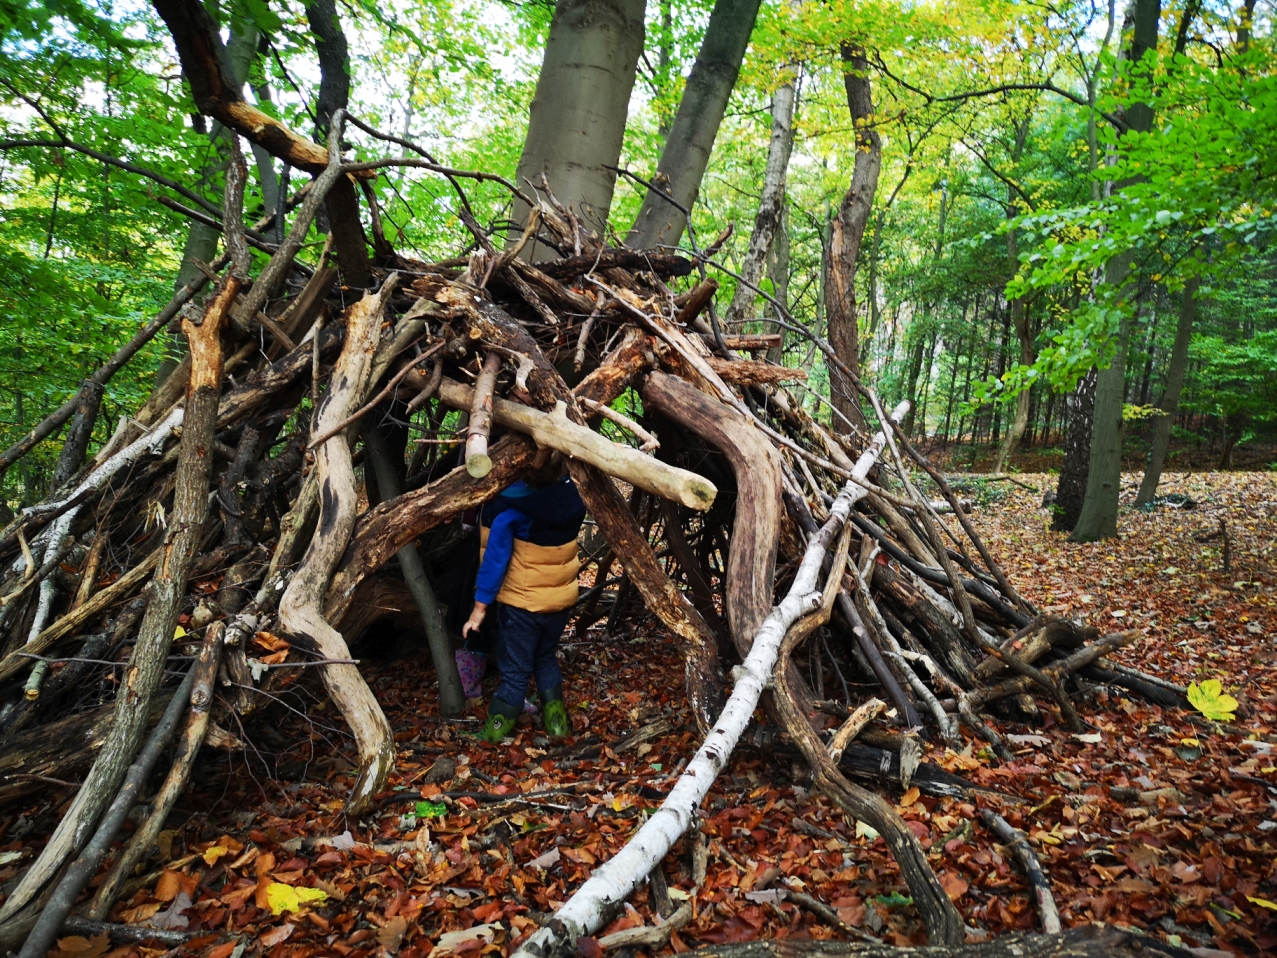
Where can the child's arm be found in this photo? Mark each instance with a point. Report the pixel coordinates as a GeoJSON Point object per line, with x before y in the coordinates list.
{"type": "Point", "coordinates": [496, 559]}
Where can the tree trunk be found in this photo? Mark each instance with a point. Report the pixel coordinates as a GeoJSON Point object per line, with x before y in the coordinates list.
{"type": "Point", "coordinates": [452, 700]}
{"type": "Point", "coordinates": [770, 206]}
{"type": "Point", "coordinates": [1098, 519]}
{"type": "Point", "coordinates": [700, 113]}
{"type": "Point", "coordinates": [1170, 399]}
{"type": "Point", "coordinates": [577, 119]}
{"type": "Point", "coordinates": [848, 229]}
{"type": "Point", "coordinates": [1071, 487]}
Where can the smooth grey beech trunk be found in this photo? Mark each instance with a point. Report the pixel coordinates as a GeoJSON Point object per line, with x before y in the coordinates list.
{"type": "Point", "coordinates": [700, 113]}
{"type": "Point", "coordinates": [770, 206]}
{"type": "Point", "coordinates": [577, 119]}
{"type": "Point", "coordinates": [1170, 399]}
{"type": "Point", "coordinates": [1104, 478]}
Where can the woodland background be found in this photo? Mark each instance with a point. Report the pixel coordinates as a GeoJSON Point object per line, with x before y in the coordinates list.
{"type": "Point", "coordinates": [993, 130]}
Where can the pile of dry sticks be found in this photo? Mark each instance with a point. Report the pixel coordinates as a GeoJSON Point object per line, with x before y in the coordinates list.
{"type": "Point", "coordinates": [783, 550]}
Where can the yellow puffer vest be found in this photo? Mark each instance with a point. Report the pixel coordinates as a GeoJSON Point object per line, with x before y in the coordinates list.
{"type": "Point", "coordinates": [539, 578]}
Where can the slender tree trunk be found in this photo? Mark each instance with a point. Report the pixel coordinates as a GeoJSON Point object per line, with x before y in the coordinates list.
{"type": "Point", "coordinates": [1071, 488]}
{"type": "Point", "coordinates": [691, 138]}
{"type": "Point", "coordinates": [577, 119]}
{"type": "Point", "coordinates": [770, 206]}
{"type": "Point", "coordinates": [1098, 519]}
{"type": "Point", "coordinates": [341, 205]}
{"type": "Point", "coordinates": [1019, 320]}
{"type": "Point", "coordinates": [778, 270]}
{"type": "Point", "coordinates": [1170, 399]}
{"type": "Point", "coordinates": [849, 229]}
{"type": "Point", "coordinates": [915, 368]}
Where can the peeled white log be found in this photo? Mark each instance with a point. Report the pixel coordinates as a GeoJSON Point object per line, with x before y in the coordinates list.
{"type": "Point", "coordinates": [478, 464]}
{"type": "Point", "coordinates": [587, 910]}
{"type": "Point", "coordinates": [556, 431]}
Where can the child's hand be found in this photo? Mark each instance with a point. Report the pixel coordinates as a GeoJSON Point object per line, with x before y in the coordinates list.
{"type": "Point", "coordinates": [476, 619]}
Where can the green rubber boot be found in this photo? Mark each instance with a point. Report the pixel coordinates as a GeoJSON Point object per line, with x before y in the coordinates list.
{"type": "Point", "coordinates": [497, 727]}
{"type": "Point", "coordinates": [555, 717]}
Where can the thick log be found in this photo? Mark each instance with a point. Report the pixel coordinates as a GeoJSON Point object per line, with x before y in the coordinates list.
{"type": "Point", "coordinates": [747, 342]}
{"type": "Point", "coordinates": [1085, 941]}
{"type": "Point", "coordinates": [663, 264]}
{"type": "Point", "coordinates": [300, 607]}
{"type": "Point", "coordinates": [556, 431]}
{"type": "Point", "coordinates": [745, 372]}
{"type": "Point", "coordinates": [660, 594]}
{"type": "Point", "coordinates": [943, 635]}
{"type": "Point", "coordinates": [751, 561]}
{"type": "Point", "coordinates": [477, 462]}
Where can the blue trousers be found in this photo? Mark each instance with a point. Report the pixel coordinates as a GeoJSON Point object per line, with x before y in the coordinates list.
{"type": "Point", "coordinates": [527, 647]}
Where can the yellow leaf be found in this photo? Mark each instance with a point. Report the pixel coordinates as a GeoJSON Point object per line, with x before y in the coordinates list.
{"type": "Point", "coordinates": [213, 853]}
{"type": "Point", "coordinates": [179, 633]}
{"type": "Point", "coordinates": [1209, 699]}
{"type": "Point", "coordinates": [281, 898]}
{"type": "Point", "coordinates": [1262, 902]}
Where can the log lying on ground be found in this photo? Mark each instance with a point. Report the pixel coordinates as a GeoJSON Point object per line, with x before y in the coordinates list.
{"type": "Point", "coordinates": [592, 905]}
{"type": "Point", "coordinates": [1085, 941]}
{"type": "Point", "coordinates": [556, 431]}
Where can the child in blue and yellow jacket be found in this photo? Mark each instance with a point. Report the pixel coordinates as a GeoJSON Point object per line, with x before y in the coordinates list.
{"type": "Point", "coordinates": [528, 568]}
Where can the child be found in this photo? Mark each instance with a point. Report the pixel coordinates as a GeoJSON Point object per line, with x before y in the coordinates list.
{"type": "Point", "coordinates": [529, 567]}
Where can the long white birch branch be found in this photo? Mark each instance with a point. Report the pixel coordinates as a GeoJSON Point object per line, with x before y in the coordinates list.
{"type": "Point", "coordinates": [588, 909]}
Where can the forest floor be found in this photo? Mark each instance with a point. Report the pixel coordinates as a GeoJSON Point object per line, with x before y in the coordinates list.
{"type": "Point", "coordinates": [490, 839]}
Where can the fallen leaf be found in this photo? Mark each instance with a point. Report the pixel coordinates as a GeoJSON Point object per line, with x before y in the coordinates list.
{"type": "Point", "coordinates": [276, 935]}
{"type": "Point", "coordinates": [172, 919]}
{"type": "Point", "coordinates": [547, 860]}
{"type": "Point", "coordinates": [82, 947]}
{"type": "Point", "coordinates": [169, 885]}
{"type": "Point", "coordinates": [391, 934]}
{"type": "Point", "coordinates": [954, 885]}
{"type": "Point", "coordinates": [281, 898]}
{"type": "Point", "coordinates": [453, 940]}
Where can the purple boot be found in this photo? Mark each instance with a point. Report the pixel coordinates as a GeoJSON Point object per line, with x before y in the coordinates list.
{"type": "Point", "coordinates": [471, 666]}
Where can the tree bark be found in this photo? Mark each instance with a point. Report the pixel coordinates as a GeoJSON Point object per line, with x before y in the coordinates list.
{"type": "Point", "coordinates": [771, 204]}
{"type": "Point", "coordinates": [848, 229]}
{"type": "Point", "coordinates": [300, 608]}
{"type": "Point", "coordinates": [700, 113]}
{"type": "Point", "coordinates": [1170, 399]}
{"type": "Point", "coordinates": [1071, 486]}
{"type": "Point", "coordinates": [577, 119]}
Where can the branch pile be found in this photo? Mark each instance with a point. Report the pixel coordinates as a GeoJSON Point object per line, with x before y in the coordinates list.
{"type": "Point", "coordinates": [228, 511]}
